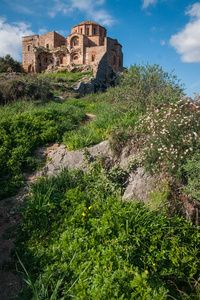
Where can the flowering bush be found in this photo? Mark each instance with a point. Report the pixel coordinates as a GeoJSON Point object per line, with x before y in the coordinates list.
{"type": "Point", "coordinates": [172, 136]}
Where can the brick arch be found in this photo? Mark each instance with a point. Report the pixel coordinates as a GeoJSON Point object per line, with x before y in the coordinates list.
{"type": "Point", "coordinates": [75, 41]}
{"type": "Point", "coordinates": [75, 57]}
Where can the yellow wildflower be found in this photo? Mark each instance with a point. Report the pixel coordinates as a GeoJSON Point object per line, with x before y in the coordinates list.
{"type": "Point", "coordinates": [146, 271]}
{"type": "Point", "coordinates": [90, 207]}
{"type": "Point", "coordinates": [83, 214]}
{"type": "Point", "coordinates": [154, 265]}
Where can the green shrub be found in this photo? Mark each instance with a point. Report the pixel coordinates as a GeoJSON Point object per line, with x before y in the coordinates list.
{"type": "Point", "coordinates": [27, 87]}
{"type": "Point", "coordinates": [142, 86]}
{"type": "Point", "coordinates": [192, 175]}
{"type": "Point", "coordinates": [8, 62]}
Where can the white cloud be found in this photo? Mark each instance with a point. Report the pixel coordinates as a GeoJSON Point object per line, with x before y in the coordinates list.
{"type": "Point", "coordinates": [187, 41]}
{"type": "Point", "coordinates": [92, 9]}
{"type": "Point", "coordinates": [146, 3]}
{"type": "Point", "coordinates": [11, 37]}
{"type": "Point", "coordinates": [194, 10]}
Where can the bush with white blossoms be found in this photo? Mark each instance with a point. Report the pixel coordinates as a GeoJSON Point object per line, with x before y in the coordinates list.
{"type": "Point", "coordinates": [172, 136]}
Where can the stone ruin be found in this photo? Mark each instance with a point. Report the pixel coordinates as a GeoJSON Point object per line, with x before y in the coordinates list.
{"type": "Point", "coordinates": [86, 48]}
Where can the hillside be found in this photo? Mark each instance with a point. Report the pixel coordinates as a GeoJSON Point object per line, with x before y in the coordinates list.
{"type": "Point", "coordinates": [78, 236]}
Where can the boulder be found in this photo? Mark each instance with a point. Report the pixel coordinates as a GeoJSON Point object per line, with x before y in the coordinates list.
{"type": "Point", "coordinates": [139, 183]}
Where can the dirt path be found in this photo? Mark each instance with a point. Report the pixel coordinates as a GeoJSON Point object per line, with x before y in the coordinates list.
{"type": "Point", "coordinates": [10, 218]}
{"type": "Point", "coordinates": [10, 283]}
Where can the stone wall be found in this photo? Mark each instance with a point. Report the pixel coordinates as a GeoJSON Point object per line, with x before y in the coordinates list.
{"type": "Point", "coordinates": [52, 40]}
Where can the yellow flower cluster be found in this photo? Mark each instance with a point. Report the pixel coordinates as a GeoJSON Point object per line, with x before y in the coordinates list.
{"type": "Point", "coordinates": [85, 208]}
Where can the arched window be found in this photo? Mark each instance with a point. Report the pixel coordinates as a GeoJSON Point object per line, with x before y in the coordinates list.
{"type": "Point", "coordinates": [47, 46]}
{"type": "Point", "coordinates": [88, 31]}
{"type": "Point", "coordinates": [74, 41]}
{"type": "Point", "coordinates": [81, 30]}
{"type": "Point", "coordinates": [94, 31]}
{"type": "Point", "coordinates": [61, 61]}
{"type": "Point", "coordinates": [75, 57]}
{"type": "Point", "coordinates": [29, 48]}
{"type": "Point", "coordinates": [93, 57]}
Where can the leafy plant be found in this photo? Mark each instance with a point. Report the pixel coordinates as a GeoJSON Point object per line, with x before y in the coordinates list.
{"type": "Point", "coordinates": [192, 174]}
{"type": "Point", "coordinates": [76, 225]}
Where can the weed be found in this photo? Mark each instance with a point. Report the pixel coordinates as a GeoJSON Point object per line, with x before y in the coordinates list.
{"type": "Point", "coordinates": [76, 224]}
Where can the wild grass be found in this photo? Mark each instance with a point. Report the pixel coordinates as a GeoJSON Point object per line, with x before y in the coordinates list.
{"type": "Point", "coordinates": [24, 128]}
{"type": "Point", "coordinates": [108, 118]}
{"type": "Point", "coordinates": [66, 77]}
{"type": "Point", "coordinates": [79, 236]}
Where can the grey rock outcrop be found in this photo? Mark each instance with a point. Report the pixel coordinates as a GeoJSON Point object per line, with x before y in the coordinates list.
{"type": "Point", "coordinates": [139, 183]}
{"type": "Point", "coordinates": [104, 78]}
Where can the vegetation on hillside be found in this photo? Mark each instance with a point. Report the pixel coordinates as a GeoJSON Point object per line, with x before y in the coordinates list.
{"type": "Point", "coordinates": [23, 129]}
{"type": "Point", "coordinates": [27, 88]}
{"type": "Point", "coordinates": [8, 64]}
{"type": "Point", "coordinates": [77, 238]}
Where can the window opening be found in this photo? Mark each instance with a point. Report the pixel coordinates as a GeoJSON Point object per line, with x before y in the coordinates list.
{"type": "Point", "coordinates": [87, 31]}
{"type": "Point", "coordinates": [47, 46]}
{"type": "Point", "coordinates": [76, 42]}
{"type": "Point", "coordinates": [29, 48]}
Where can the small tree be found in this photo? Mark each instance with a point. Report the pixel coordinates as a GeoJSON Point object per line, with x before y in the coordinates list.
{"type": "Point", "coordinates": [149, 85]}
{"type": "Point", "coordinates": [8, 63]}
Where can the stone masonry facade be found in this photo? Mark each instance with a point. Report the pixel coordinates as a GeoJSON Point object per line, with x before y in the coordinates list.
{"type": "Point", "coordinates": [86, 45]}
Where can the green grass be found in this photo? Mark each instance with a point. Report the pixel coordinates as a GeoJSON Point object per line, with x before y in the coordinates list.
{"type": "Point", "coordinates": [67, 77]}
{"type": "Point", "coordinates": [78, 234]}
{"type": "Point", "coordinates": [24, 127]}
{"type": "Point", "coordinates": [108, 118]}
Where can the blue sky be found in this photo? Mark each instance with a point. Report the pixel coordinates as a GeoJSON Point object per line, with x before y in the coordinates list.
{"type": "Point", "coordinates": [164, 32]}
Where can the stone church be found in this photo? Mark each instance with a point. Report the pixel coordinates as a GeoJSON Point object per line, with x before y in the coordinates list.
{"type": "Point", "coordinates": [86, 45]}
